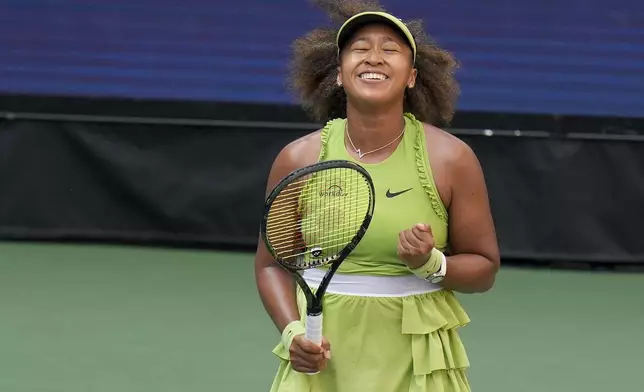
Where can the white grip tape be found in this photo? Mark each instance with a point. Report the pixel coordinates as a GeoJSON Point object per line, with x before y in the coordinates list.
{"type": "Point", "coordinates": [314, 329]}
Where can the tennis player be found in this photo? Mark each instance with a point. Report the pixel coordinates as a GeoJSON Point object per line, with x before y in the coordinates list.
{"type": "Point", "coordinates": [391, 315]}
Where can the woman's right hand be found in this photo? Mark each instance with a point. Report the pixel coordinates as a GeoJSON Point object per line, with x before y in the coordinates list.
{"type": "Point", "coordinates": [308, 357]}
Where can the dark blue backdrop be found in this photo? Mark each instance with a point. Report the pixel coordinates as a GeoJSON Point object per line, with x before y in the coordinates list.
{"type": "Point", "coordinates": [568, 57]}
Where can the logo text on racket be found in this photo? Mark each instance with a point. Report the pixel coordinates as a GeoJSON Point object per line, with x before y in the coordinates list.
{"type": "Point", "coordinates": [333, 191]}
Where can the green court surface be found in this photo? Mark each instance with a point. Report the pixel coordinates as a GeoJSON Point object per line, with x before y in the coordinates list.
{"type": "Point", "coordinates": [127, 319]}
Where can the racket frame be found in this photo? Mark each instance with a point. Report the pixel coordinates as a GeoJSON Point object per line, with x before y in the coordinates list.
{"type": "Point", "coordinates": [314, 300]}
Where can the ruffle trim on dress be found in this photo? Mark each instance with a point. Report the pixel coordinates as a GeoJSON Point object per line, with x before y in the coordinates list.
{"type": "Point", "coordinates": [432, 321]}
{"type": "Point", "coordinates": [324, 138]}
{"type": "Point", "coordinates": [422, 167]}
{"type": "Point", "coordinates": [454, 380]}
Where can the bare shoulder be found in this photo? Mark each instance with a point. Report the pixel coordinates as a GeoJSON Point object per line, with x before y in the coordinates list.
{"type": "Point", "coordinates": [453, 162]}
{"type": "Point", "coordinates": [447, 149]}
{"type": "Point", "coordinates": [304, 150]}
{"type": "Point", "coordinates": [300, 152]}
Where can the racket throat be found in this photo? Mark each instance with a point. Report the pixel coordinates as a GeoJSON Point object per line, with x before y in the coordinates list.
{"type": "Point", "coordinates": [314, 310]}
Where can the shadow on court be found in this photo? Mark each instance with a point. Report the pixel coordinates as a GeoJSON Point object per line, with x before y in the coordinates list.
{"type": "Point", "coordinates": [104, 319]}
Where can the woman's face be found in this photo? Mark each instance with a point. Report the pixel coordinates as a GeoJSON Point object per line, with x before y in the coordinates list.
{"type": "Point", "coordinates": [376, 66]}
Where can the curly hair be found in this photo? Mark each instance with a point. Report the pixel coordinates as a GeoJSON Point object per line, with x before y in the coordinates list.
{"type": "Point", "coordinates": [314, 69]}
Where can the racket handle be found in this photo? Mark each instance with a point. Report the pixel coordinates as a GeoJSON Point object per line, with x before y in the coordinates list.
{"type": "Point", "coordinates": [314, 328]}
{"type": "Point", "coordinates": [314, 331]}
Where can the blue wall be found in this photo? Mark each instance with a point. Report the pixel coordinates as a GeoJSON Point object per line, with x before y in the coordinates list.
{"type": "Point", "coordinates": [576, 57]}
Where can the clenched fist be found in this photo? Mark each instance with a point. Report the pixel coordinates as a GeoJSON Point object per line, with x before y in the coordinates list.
{"type": "Point", "coordinates": [308, 357]}
{"type": "Point", "coordinates": [415, 245]}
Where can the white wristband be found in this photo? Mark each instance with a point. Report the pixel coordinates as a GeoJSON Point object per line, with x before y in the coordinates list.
{"type": "Point", "coordinates": [434, 264]}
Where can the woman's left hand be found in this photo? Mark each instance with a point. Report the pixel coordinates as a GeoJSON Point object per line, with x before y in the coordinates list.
{"type": "Point", "coordinates": [415, 245]}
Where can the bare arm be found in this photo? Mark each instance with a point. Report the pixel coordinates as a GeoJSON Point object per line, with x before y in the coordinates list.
{"type": "Point", "coordinates": [276, 289]}
{"type": "Point", "coordinates": [475, 256]}
{"type": "Point", "coordinates": [275, 285]}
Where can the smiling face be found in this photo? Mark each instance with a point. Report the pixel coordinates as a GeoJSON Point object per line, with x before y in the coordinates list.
{"type": "Point", "coordinates": [376, 66]}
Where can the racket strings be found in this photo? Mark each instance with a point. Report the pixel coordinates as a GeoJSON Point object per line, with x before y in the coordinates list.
{"type": "Point", "coordinates": [287, 204]}
{"type": "Point", "coordinates": [320, 245]}
{"type": "Point", "coordinates": [286, 233]}
{"type": "Point", "coordinates": [282, 236]}
{"type": "Point", "coordinates": [282, 223]}
{"type": "Point", "coordinates": [323, 211]}
{"type": "Point", "coordinates": [287, 200]}
{"type": "Point", "coordinates": [323, 242]}
{"type": "Point", "coordinates": [305, 180]}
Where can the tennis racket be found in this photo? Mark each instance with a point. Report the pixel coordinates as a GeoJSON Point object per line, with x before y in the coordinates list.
{"type": "Point", "coordinates": [315, 217]}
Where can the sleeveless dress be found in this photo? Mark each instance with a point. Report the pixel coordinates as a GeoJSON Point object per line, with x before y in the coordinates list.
{"type": "Point", "coordinates": [405, 343]}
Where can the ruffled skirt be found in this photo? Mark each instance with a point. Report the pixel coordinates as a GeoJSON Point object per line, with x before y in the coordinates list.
{"type": "Point", "coordinates": [390, 344]}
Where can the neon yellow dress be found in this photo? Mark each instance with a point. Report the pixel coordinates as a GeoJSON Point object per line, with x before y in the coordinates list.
{"type": "Point", "coordinates": [388, 344]}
